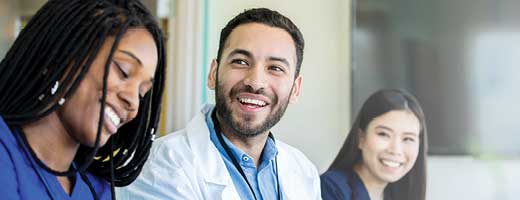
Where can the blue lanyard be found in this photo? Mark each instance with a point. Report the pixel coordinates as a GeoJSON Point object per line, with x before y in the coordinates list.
{"type": "Point", "coordinates": [234, 160]}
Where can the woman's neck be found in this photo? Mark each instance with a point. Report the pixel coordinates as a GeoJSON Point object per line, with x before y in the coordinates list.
{"type": "Point", "coordinates": [374, 186]}
{"type": "Point", "coordinates": [51, 142]}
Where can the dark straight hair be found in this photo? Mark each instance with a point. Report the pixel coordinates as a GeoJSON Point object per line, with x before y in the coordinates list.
{"type": "Point", "coordinates": [50, 58]}
{"type": "Point", "coordinates": [413, 185]}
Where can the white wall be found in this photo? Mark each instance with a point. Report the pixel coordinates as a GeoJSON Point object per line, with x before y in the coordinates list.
{"type": "Point", "coordinates": [317, 124]}
{"type": "Point", "coordinates": [457, 178]}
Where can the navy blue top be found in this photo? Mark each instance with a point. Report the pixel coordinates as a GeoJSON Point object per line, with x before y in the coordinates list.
{"type": "Point", "coordinates": [335, 185]}
{"type": "Point", "coordinates": [22, 178]}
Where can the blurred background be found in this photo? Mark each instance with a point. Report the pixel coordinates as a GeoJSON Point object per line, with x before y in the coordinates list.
{"type": "Point", "coordinates": [459, 57]}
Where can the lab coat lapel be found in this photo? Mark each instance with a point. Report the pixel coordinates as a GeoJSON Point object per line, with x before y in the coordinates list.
{"type": "Point", "coordinates": [291, 181]}
{"type": "Point", "coordinates": [216, 175]}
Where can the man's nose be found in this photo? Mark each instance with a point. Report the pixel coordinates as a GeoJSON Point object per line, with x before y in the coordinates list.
{"type": "Point", "coordinates": [256, 78]}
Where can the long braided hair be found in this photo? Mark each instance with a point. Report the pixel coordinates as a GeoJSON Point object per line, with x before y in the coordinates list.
{"type": "Point", "coordinates": [50, 58]}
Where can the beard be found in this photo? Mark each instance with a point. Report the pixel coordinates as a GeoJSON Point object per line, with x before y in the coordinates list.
{"type": "Point", "coordinates": [243, 126]}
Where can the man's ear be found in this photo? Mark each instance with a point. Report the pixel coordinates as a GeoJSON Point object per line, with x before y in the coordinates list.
{"type": "Point", "coordinates": [296, 89]}
{"type": "Point", "coordinates": [212, 75]}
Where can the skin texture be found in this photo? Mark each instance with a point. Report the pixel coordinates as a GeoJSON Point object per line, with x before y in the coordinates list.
{"type": "Point", "coordinates": [258, 63]}
{"type": "Point", "coordinates": [390, 148]}
{"type": "Point", "coordinates": [56, 138]}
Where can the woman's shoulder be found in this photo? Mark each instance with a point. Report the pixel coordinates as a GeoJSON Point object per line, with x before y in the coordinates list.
{"type": "Point", "coordinates": [9, 148]}
{"type": "Point", "coordinates": [11, 162]}
{"type": "Point", "coordinates": [336, 176]}
{"type": "Point", "coordinates": [335, 185]}
{"type": "Point", "coordinates": [5, 131]}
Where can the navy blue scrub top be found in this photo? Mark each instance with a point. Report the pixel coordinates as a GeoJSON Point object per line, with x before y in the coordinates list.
{"type": "Point", "coordinates": [335, 186]}
{"type": "Point", "coordinates": [22, 178]}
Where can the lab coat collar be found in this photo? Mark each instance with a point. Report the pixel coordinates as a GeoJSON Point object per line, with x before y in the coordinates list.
{"type": "Point", "coordinates": [207, 154]}
{"type": "Point", "coordinates": [291, 179]}
{"type": "Point", "coordinates": [217, 176]}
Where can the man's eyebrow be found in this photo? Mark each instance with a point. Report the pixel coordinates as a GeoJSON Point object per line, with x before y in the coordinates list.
{"type": "Point", "coordinates": [132, 56]}
{"type": "Point", "coordinates": [249, 55]}
{"type": "Point", "coordinates": [241, 51]}
{"type": "Point", "coordinates": [283, 60]}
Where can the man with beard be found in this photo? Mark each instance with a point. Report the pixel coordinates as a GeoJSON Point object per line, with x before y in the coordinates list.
{"type": "Point", "coordinates": [228, 151]}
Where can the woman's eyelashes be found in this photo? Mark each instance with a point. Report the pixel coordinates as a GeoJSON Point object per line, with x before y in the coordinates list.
{"type": "Point", "coordinates": [383, 134]}
{"type": "Point", "coordinates": [409, 139]}
{"type": "Point", "coordinates": [125, 75]}
{"type": "Point", "coordinates": [121, 70]}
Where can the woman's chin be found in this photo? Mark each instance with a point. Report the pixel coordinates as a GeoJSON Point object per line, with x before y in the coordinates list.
{"type": "Point", "coordinates": [102, 140]}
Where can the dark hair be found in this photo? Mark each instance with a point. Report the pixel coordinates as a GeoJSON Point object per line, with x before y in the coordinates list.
{"type": "Point", "coordinates": [267, 17]}
{"type": "Point", "coordinates": [50, 58]}
{"type": "Point", "coordinates": [413, 185]}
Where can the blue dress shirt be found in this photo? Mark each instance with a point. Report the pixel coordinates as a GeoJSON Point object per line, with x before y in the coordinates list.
{"type": "Point", "coordinates": [263, 180]}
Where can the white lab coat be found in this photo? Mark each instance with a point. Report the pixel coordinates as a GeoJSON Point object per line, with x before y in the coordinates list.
{"type": "Point", "coordinates": [186, 165]}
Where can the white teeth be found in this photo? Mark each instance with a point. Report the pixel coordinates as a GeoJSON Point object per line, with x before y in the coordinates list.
{"type": "Point", "coordinates": [253, 101]}
{"type": "Point", "coordinates": [390, 163]}
{"type": "Point", "coordinates": [112, 116]}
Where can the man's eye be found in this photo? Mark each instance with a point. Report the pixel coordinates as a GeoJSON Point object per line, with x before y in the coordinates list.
{"type": "Point", "coordinates": [239, 61]}
{"type": "Point", "coordinates": [276, 68]}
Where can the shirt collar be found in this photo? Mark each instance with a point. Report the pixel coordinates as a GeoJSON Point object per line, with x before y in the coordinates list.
{"type": "Point", "coordinates": [269, 152]}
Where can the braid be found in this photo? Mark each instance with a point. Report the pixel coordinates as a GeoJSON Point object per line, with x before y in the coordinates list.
{"type": "Point", "coordinates": [132, 150]}
{"type": "Point", "coordinates": [50, 58]}
{"type": "Point", "coordinates": [41, 71]}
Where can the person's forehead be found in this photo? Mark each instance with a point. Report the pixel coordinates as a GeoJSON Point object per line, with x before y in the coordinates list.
{"type": "Point", "coordinates": [262, 38]}
{"type": "Point", "coordinates": [140, 43]}
{"type": "Point", "coordinates": [398, 120]}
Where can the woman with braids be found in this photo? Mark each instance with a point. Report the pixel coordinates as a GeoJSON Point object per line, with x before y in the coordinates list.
{"type": "Point", "coordinates": [80, 99]}
{"type": "Point", "coordinates": [384, 155]}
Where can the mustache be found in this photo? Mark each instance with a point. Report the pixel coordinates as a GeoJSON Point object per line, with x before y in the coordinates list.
{"type": "Point", "coordinates": [249, 89]}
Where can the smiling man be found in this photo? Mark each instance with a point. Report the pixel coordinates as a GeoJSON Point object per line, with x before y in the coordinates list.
{"type": "Point", "coordinates": [227, 151]}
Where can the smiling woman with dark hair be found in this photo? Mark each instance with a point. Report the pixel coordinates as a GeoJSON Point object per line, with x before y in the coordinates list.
{"type": "Point", "coordinates": [81, 74]}
{"type": "Point", "coordinates": [384, 155]}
